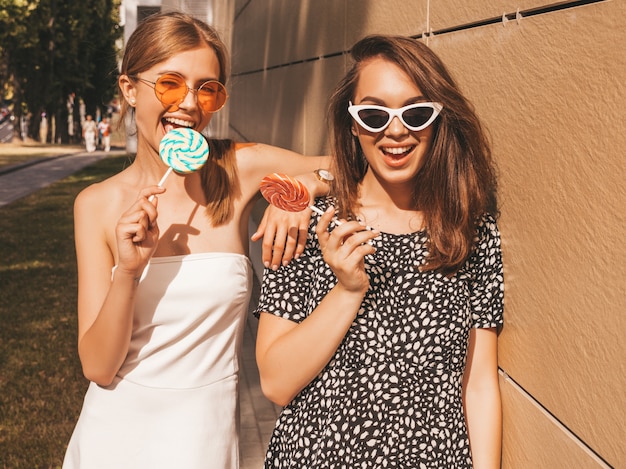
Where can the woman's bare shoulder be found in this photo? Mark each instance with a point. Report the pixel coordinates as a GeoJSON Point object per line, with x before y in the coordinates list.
{"type": "Point", "coordinates": [106, 196]}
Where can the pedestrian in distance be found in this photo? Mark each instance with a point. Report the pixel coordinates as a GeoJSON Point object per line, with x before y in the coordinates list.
{"type": "Point", "coordinates": [43, 128]}
{"type": "Point", "coordinates": [90, 128]}
{"type": "Point", "coordinates": [381, 339]}
{"type": "Point", "coordinates": [164, 280]}
{"type": "Point", "coordinates": [104, 127]}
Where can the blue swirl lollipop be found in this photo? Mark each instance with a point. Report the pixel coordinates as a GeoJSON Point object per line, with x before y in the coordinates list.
{"type": "Point", "coordinates": [183, 150]}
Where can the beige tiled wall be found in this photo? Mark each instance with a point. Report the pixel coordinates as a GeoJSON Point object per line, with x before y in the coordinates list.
{"type": "Point", "coordinates": [551, 89]}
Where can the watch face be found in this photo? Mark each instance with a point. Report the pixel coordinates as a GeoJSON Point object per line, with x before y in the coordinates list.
{"type": "Point", "coordinates": [324, 175]}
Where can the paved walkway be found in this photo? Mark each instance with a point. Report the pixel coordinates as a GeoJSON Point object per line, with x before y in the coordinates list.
{"type": "Point", "coordinates": [21, 180]}
{"type": "Point", "coordinates": [258, 415]}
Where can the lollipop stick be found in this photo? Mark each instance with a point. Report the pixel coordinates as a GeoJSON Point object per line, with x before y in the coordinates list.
{"type": "Point", "coordinates": [167, 173]}
{"type": "Point", "coordinates": [319, 212]}
{"type": "Point", "coordinates": [160, 184]}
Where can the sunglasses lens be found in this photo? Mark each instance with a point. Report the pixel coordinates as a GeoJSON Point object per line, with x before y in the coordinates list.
{"type": "Point", "coordinates": [417, 116]}
{"type": "Point", "coordinates": [212, 96]}
{"type": "Point", "coordinates": [170, 89]}
{"type": "Point", "coordinates": [374, 118]}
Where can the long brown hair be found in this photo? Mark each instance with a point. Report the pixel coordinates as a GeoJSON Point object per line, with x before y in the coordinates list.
{"type": "Point", "coordinates": [158, 38]}
{"type": "Point", "coordinates": [456, 185]}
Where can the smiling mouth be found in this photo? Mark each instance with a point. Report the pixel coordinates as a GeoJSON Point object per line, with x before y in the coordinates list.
{"type": "Point", "coordinates": [397, 152]}
{"type": "Point", "coordinates": [170, 123]}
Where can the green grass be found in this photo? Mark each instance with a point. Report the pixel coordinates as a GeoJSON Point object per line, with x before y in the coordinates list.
{"type": "Point", "coordinates": [41, 384]}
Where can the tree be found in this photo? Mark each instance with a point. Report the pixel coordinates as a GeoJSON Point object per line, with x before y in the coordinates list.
{"type": "Point", "coordinates": [54, 49]}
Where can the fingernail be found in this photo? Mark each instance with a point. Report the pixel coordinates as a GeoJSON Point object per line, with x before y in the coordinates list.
{"type": "Point", "coordinates": [266, 265]}
{"type": "Point", "coordinates": [274, 267]}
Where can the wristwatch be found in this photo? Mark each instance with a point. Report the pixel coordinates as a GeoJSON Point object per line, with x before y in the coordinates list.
{"type": "Point", "coordinates": [324, 175]}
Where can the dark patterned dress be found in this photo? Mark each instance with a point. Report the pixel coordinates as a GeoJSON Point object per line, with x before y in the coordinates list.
{"type": "Point", "coordinates": [391, 395]}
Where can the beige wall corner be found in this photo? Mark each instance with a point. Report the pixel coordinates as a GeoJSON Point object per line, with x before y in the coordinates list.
{"type": "Point", "coordinates": [535, 439]}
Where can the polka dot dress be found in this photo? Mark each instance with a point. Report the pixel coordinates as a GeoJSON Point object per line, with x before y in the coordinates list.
{"type": "Point", "coordinates": [391, 395]}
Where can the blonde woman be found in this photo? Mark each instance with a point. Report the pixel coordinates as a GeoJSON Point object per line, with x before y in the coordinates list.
{"type": "Point", "coordinates": [163, 274]}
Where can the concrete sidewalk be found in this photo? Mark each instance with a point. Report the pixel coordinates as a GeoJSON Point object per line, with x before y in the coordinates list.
{"type": "Point", "coordinates": [23, 179]}
{"type": "Point", "coordinates": [258, 415]}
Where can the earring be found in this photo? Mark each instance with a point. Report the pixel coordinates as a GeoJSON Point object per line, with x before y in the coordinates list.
{"type": "Point", "coordinates": [132, 101]}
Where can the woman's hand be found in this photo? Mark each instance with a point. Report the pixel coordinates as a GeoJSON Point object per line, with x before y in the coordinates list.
{"type": "Point", "coordinates": [284, 235]}
{"type": "Point", "coordinates": [137, 232]}
{"type": "Point", "coordinates": [344, 250]}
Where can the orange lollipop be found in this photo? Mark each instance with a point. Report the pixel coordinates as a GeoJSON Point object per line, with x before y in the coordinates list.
{"type": "Point", "coordinates": [289, 194]}
{"type": "Point", "coordinates": [285, 192]}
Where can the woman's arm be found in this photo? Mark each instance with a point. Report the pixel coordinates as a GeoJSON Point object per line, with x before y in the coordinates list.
{"type": "Point", "coordinates": [105, 305]}
{"type": "Point", "coordinates": [261, 160]}
{"type": "Point", "coordinates": [283, 233]}
{"type": "Point", "coordinates": [289, 354]}
{"type": "Point", "coordinates": [481, 399]}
